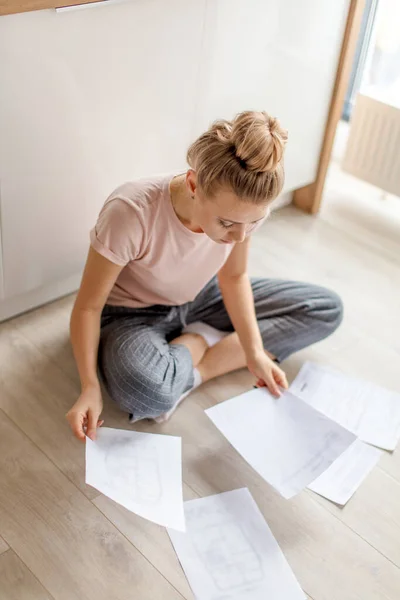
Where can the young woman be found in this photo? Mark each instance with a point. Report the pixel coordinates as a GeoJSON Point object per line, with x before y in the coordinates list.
{"type": "Point", "coordinates": [165, 301]}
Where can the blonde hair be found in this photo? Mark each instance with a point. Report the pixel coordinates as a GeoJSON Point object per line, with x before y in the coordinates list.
{"type": "Point", "coordinates": [245, 155]}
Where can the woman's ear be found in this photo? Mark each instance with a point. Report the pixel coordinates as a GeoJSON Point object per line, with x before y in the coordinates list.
{"type": "Point", "coordinates": [191, 182]}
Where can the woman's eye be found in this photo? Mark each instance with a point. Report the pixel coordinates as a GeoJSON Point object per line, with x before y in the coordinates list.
{"type": "Point", "coordinates": [225, 225]}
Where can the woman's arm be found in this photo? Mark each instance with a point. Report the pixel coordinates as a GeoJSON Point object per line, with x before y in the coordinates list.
{"type": "Point", "coordinates": [238, 298]}
{"type": "Point", "coordinates": [99, 277]}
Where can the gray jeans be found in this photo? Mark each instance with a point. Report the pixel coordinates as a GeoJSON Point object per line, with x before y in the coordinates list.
{"type": "Point", "coordinates": [146, 375]}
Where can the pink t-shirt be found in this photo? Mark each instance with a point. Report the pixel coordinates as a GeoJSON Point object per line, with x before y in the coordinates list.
{"type": "Point", "coordinates": [164, 262]}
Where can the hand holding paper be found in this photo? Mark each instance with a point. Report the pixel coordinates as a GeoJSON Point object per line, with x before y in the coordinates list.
{"type": "Point", "coordinates": [268, 374]}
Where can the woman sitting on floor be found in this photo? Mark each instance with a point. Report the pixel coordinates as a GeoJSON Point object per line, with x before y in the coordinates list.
{"type": "Point", "coordinates": [165, 301]}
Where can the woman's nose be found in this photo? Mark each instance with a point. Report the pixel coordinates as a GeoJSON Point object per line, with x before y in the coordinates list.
{"type": "Point", "coordinates": [239, 234]}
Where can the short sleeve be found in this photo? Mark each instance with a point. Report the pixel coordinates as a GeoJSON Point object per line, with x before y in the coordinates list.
{"type": "Point", "coordinates": [118, 232]}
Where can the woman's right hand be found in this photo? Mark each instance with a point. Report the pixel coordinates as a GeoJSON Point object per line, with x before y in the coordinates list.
{"type": "Point", "coordinates": [84, 415]}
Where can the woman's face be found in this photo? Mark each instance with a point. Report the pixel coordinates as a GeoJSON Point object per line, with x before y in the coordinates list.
{"type": "Point", "coordinates": [225, 218]}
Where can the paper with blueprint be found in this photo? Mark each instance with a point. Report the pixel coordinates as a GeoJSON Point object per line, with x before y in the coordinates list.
{"type": "Point", "coordinates": [339, 482]}
{"type": "Point", "coordinates": [285, 440]}
{"type": "Point", "coordinates": [366, 409]}
{"type": "Point", "coordinates": [229, 553]}
{"type": "Point", "coordinates": [141, 471]}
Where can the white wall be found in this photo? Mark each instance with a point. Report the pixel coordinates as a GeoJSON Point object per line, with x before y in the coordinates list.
{"type": "Point", "coordinates": [94, 97]}
{"type": "Point", "coordinates": [280, 55]}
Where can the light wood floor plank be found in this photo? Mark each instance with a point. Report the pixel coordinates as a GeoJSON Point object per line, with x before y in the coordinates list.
{"type": "Point", "coordinates": [48, 329]}
{"type": "Point", "coordinates": [302, 248]}
{"type": "Point", "coordinates": [17, 582]}
{"type": "Point", "coordinates": [373, 513]}
{"type": "Point", "coordinates": [36, 394]}
{"type": "Point", "coordinates": [73, 550]}
{"type": "Point", "coordinates": [3, 546]}
{"type": "Point", "coordinates": [357, 208]}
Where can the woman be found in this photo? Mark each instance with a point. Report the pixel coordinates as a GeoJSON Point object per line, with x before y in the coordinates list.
{"type": "Point", "coordinates": [165, 301]}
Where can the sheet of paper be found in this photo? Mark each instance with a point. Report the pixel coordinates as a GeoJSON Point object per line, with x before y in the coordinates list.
{"type": "Point", "coordinates": [342, 479]}
{"type": "Point", "coordinates": [366, 409]}
{"type": "Point", "coordinates": [229, 553]}
{"type": "Point", "coordinates": [141, 471]}
{"type": "Point", "coordinates": [286, 441]}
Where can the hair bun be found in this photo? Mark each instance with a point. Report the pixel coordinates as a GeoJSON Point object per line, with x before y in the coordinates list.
{"type": "Point", "coordinates": [258, 139]}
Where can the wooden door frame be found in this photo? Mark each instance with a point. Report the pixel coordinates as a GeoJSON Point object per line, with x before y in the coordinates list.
{"type": "Point", "coordinates": [309, 198]}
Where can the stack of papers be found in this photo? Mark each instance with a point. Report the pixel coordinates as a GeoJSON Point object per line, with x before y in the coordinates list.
{"type": "Point", "coordinates": [229, 551]}
{"type": "Point", "coordinates": [285, 440]}
{"type": "Point", "coordinates": [343, 478]}
{"type": "Point", "coordinates": [366, 409]}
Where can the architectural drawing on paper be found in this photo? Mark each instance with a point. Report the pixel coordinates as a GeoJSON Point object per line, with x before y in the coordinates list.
{"type": "Point", "coordinates": [135, 465]}
{"type": "Point", "coordinates": [229, 557]}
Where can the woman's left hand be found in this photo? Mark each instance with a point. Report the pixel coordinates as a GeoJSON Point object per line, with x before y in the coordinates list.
{"type": "Point", "coordinates": [268, 373]}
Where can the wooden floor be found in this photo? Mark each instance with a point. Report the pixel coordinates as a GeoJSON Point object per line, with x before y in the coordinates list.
{"type": "Point", "coordinates": [61, 540]}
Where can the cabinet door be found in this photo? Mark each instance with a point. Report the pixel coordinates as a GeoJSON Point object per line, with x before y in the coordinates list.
{"type": "Point", "coordinates": [274, 55]}
{"type": "Point", "coordinates": [88, 99]}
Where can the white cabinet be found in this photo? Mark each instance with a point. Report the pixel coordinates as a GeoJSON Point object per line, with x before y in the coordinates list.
{"type": "Point", "coordinates": [89, 99]}
{"type": "Point", "coordinates": [94, 97]}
